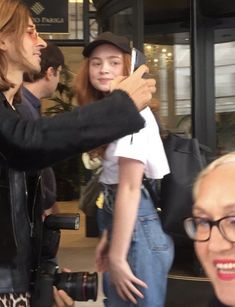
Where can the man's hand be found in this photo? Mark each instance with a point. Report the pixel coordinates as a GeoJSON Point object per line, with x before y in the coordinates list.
{"type": "Point", "coordinates": [61, 298]}
{"type": "Point", "coordinates": [138, 88]}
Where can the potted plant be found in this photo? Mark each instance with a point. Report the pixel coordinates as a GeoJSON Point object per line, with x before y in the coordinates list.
{"type": "Point", "coordinates": [70, 173]}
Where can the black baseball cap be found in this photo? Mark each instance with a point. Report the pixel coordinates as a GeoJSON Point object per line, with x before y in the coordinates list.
{"type": "Point", "coordinates": [120, 42]}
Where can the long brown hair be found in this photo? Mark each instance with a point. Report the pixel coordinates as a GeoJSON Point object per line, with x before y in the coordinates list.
{"type": "Point", "coordinates": [85, 92]}
{"type": "Point", "coordinates": [14, 18]}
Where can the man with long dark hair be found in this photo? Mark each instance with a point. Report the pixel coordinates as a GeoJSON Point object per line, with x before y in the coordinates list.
{"type": "Point", "coordinates": [30, 145]}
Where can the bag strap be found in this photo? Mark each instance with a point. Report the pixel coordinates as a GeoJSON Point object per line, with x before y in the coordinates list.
{"type": "Point", "coordinates": [153, 193]}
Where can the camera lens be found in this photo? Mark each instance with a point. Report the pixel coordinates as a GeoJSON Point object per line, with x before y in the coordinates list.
{"type": "Point", "coordinates": [80, 286]}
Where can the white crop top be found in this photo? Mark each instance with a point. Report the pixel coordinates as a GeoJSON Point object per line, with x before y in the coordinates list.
{"type": "Point", "coordinates": [145, 146]}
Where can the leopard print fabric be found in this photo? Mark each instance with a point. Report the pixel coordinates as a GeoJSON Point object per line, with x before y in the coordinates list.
{"type": "Point", "coordinates": [14, 300]}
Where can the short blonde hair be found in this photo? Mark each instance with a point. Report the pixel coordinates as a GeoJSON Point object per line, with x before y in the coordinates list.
{"type": "Point", "coordinates": [228, 158]}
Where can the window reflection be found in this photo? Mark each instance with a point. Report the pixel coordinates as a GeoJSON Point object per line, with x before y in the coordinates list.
{"type": "Point", "coordinates": [170, 66]}
{"type": "Point", "coordinates": [122, 22]}
{"type": "Point", "coordinates": [225, 96]}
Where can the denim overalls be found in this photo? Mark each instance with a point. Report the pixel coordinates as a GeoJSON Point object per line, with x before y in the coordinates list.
{"type": "Point", "coordinates": [150, 254]}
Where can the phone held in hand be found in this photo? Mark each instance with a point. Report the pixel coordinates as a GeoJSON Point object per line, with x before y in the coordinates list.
{"type": "Point", "coordinates": [137, 59]}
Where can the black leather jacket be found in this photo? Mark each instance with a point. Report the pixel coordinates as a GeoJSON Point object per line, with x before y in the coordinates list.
{"type": "Point", "coordinates": [17, 223]}
{"type": "Point", "coordinates": [27, 145]}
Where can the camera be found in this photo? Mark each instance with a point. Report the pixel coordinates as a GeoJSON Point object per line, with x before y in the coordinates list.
{"type": "Point", "coordinates": [80, 286]}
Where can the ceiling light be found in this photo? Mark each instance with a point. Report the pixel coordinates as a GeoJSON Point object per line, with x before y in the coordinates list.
{"type": "Point", "coordinates": [75, 1]}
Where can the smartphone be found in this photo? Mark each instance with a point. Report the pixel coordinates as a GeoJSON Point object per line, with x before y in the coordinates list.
{"type": "Point", "coordinates": [137, 59]}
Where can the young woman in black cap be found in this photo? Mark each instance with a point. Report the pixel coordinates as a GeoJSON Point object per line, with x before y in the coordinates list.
{"type": "Point", "coordinates": [136, 252]}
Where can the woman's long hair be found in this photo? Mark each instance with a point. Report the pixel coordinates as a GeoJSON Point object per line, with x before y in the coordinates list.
{"type": "Point", "coordinates": [14, 19]}
{"type": "Point", "coordinates": [85, 92]}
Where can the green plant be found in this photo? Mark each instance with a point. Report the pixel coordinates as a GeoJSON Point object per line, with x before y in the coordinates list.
{"type": "Point", "coordinates": [64, 95]}
{"type": "Point", "coordinates": [69, 173]}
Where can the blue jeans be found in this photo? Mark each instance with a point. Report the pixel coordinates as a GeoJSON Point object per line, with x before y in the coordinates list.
{"type": "Point", "coordinates": [105, 275]}
{"type": "Point", "coordinates": [150, 255]}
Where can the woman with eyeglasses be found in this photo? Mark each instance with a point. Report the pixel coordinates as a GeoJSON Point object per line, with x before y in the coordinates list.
{"type": "Point", "coordinates": [31, 145]}
{"type": "Point", "coordinates": [212, 226]}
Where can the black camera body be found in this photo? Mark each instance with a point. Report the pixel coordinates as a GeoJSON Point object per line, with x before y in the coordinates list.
{"type": "Point", "coordinates": [80, 286]}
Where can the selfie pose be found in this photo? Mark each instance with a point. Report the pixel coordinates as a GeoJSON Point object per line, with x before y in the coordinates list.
{"type": "Point", "coordinates": [27, 145]}
{"type": "Point", "coordinates": [134, 249]}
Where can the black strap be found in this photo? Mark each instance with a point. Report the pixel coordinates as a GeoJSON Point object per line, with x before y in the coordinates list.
{"type": "Point", "coordinates": [151, 186]}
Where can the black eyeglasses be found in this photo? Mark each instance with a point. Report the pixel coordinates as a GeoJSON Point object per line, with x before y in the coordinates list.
{"type": "Point", "coordinates": [199, 229]}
